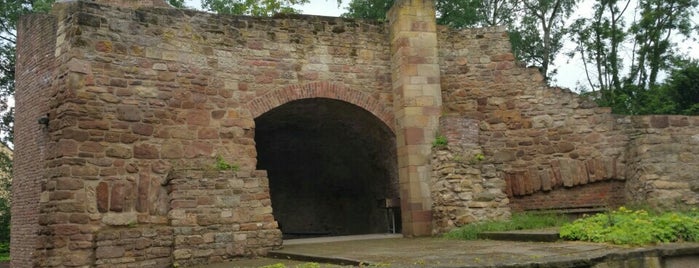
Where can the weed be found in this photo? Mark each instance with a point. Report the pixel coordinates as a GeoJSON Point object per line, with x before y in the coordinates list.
{"type": "Point", "coordinates": [221, 164]}
{"type": "Point", "coordinates": [440, 141]}
{"type": "Point", "coordinates": [477, 158]}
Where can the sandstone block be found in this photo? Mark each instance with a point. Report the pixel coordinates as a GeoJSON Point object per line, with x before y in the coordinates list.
{"type": "Point", "coordinates": [180, 254]}
{"type": "Point", "coordinates": [119, 219]}
{"type": "Point", "coordinates": [109, 252]}
{"type": "Point", "coordinates": [69, 184]}
{"type": "Point", "coordinates": [146, 151]}
{"type": "Point", "coordinates": [119, 152]}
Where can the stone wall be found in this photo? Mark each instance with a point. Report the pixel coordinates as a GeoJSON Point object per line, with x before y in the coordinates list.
{"type": "Point", "coordinates": [143, 102]}
{"type": "Point", "coordinates": [136, 95]}
{"type": "Point", "coordinates": [216, 216]}
{"type": "Point", "coordinates": [663, 155]}
{"type": "Point", "coordinates": [539, 139]}
{"type": "Point", "coordinates": [553, 148]}
{"type": "Point", "coordinates": [464, 188]}
{"type": "Point", "coordinates": [134, 246]}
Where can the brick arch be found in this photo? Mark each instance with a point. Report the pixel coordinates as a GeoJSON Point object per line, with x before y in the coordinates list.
{"type": "Point", "coordinates": [276, 98]}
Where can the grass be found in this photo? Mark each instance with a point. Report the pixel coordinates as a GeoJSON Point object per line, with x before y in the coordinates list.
{"type": "Point", "coordinates": [519, 221]}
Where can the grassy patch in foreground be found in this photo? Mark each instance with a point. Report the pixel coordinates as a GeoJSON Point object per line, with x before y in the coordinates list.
{"type": "Point", "coordinates": [635, 227]}
{"type": "Point", "coordinates": [519, 221]}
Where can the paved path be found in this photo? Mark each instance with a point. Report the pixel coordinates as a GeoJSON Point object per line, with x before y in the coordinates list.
{"type": "Point", "coordinates": [437, 252]}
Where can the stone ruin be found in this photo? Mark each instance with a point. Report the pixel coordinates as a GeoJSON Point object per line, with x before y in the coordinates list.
{"type": "Point", "coordinates": [149, 136]}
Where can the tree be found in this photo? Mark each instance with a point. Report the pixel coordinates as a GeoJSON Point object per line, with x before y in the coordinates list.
{"type": "Point", "coordinates": [456, 14]}
{"type": "Point", "coordinates": [459, 14]}
{"type": "Point", "coordinates": [633, 90]}
{"type": "Point", "coordinates": [368, 9]}
{"type": "Point", "coordinates": [598, 41]}
{"type": "Point", "coordinates": [263, 8]}
{"type": "Point", "coordinates": [682, 88]}
{"type": "Point", "coordinates": [498, 12]}
{"type": "Point", "coordinates": [538, 35]}
{"type": "Point", "coordinates": [660, 19]}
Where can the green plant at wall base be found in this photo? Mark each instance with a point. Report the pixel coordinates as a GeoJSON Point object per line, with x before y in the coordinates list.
{"type": "Point", "coordinates": [440, 141]}
{"type": "Point", "coordinates": [518, 221]}
{"type": "Point", "coordinates": [635, 227]}
{"type": "Point", "coordinates": [221, 164]}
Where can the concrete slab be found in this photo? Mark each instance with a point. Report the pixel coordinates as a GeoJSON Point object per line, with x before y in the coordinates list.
{"type": "Point", "coordinates": [438, 252]}
{"type": "Point", "coordinates": [535, 235]}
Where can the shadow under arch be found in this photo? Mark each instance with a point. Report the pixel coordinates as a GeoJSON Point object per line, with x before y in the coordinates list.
{"type": "Point", "coordinates": [329, 163]}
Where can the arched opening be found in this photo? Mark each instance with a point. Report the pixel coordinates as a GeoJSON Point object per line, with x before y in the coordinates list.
{"type": "Point", "coordinates": [330, 164]}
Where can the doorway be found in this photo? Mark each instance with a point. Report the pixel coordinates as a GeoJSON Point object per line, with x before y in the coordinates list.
{"type": "Point", "coordinates": [331, 167]}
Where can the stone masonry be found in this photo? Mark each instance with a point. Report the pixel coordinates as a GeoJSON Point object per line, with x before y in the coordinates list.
{"type": "Point", "coordinates": [127, 110]}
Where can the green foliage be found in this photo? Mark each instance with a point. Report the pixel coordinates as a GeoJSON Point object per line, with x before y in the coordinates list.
{"type": "Point", "coordinates": [440, 141]}
{"type": "Point", "coordinates": [634, 227]}
{"type": "Point", "coordinates": [368, 9]}
{"type": "Point", "coordinates": [4, 251]}
{"type": "Point", "coordinates": [680, 93]}
{"type": "Point", "coordinates": [261, 8]}
{"type": "Point", "coordinates": [519, 221]}
{"type": "Point", "coordinates": [176, 3]}
{"type": "Point", "coordinates": [477, 158]}
{"type": "Point", "coordinates": [458, 14]}
{"type": "Point", "coordinates": [602, 39]}
{"type": "Point", "coordinates": [538, 35]}
{"type": "Point", "coordinates": [276, 265]}
{"type": "Point", "coordinates": [221, 164]}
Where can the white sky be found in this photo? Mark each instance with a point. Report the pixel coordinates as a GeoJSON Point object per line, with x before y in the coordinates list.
{"type": "Point", "coordinates": [570, 71]}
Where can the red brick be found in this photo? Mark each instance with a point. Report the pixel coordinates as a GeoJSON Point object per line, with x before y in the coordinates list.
{"type": "Point", "coordinates": [102, 193]}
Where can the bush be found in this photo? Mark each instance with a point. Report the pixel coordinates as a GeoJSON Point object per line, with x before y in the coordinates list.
{"type": "Point", "coordinates": [519, 221]}
{"type": "Point", "coordinates": [634, 227]}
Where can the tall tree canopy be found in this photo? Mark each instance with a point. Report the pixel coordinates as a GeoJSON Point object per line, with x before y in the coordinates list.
{"type": "Point", "coordinates": [646, 30]}
{"type": "Point", "coordinates": [252, 7]}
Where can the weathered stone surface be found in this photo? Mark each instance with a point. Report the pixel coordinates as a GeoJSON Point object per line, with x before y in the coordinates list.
{"type": "Point", "coordinates": [136, 114]}
{"type": "Point", "coordinates": [119, 219]}
{"type": "Point", "coordinates": [146, 151]}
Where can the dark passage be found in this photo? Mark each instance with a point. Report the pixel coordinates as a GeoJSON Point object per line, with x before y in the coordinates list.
{"type": "Point", "coordinates": [329, 163]}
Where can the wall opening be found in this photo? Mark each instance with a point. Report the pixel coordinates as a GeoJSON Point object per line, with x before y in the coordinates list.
{"type": "Point", "coordinates": [330, 164]}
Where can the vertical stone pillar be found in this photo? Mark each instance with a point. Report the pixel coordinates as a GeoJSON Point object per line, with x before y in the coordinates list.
{"type": "Point", "coordinates": [417, 106]}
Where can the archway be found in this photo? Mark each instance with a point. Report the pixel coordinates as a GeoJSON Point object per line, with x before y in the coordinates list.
{"type": "Point", "coordinates": [329, 164]}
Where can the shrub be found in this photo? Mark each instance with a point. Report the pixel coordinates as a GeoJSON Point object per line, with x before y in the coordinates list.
{"type": "Point", "coordinates": [634, 227]}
